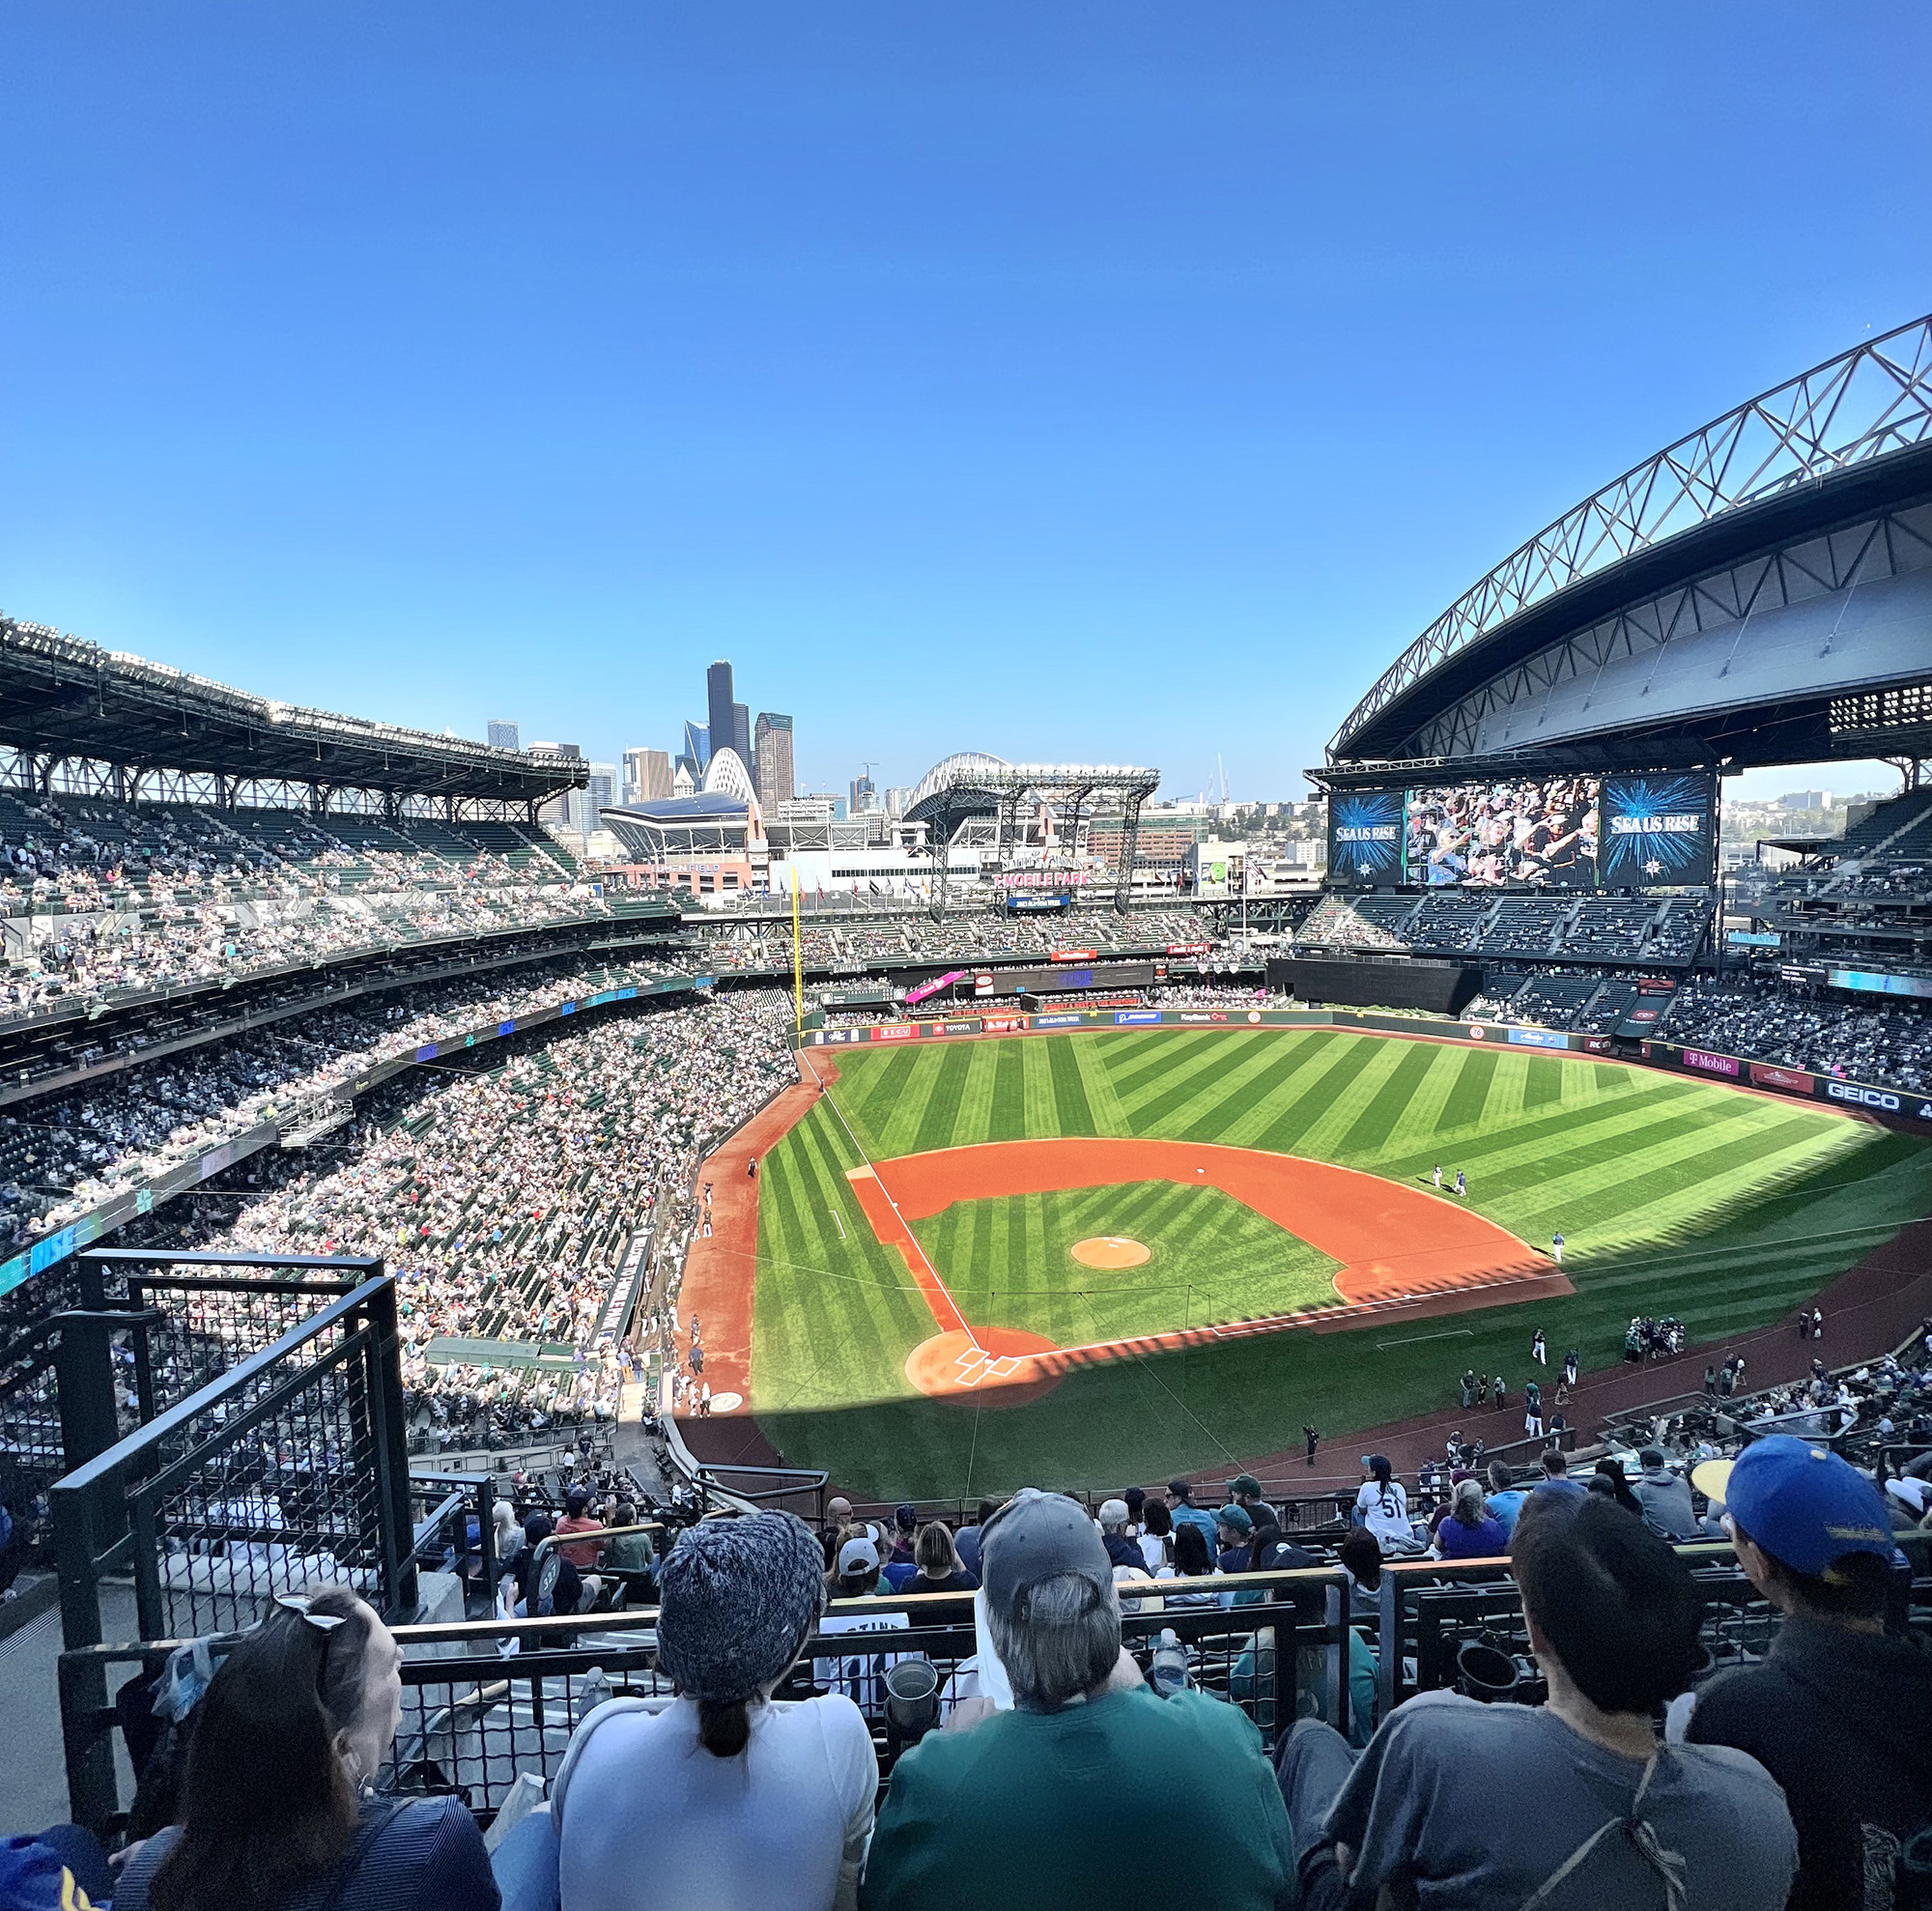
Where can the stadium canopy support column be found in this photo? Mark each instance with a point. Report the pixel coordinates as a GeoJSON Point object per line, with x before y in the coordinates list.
{"type": "Point", "coordinates": [1130, 837]}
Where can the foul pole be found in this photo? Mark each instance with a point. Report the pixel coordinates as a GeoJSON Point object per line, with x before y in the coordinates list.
{"type": "Point", "coordinates": [797, 965]}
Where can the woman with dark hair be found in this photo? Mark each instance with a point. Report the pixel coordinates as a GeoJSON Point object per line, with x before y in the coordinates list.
{"type": "Point", "coordinates": [728, 1797]}
{"type": "Point", "coordinates": [1611, 1480]}
{"type": "Point", "coordinates": [287, 1742]}
{"type": "Point", "coordinates": [1191, 1562]}
{"type": "Point", "coordinates": [1381, 1505]}
{"type": "Point", "coordinates": [1363, 1558]}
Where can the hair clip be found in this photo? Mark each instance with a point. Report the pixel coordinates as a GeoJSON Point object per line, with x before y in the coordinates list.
{"type": "Point", "coordinates": [300, 1603]}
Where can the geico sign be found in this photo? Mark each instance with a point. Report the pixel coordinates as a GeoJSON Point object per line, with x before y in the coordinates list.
{"type": "Point", "coordinates": [1866, 1097]}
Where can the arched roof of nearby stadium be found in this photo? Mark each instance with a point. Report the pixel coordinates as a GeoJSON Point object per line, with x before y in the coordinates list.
{"type": "Point", "coordinates": [959, 770]}
{"type": "Point", "coordinates": [1850, 438]}
{"type": "Point", "coordinates": [725, 775]}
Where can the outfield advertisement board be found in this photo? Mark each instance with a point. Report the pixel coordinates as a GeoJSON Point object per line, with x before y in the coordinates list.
{"type": "Point", "coordinates": [1539, 1037]}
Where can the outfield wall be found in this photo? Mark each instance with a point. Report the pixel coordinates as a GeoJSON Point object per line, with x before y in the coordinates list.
{"type": "Point", "coordinates": [1893, 1103]}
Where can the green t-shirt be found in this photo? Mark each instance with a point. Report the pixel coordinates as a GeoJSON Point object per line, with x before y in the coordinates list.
{"type": "Point", "coordinates": [1049, 1809]}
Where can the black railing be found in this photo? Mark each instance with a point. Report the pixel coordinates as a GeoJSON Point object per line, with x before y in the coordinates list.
{"type": "Point", "coordinates": [129, 1335]}
{"type": "Point", "coordinates": [286, 1471]}
{"type": "Point", "coordinates": [475, 1714]}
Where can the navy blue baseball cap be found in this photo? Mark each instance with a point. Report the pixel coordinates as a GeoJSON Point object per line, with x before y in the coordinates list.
{"type": "Point", "coordinates": [1804, 1506]}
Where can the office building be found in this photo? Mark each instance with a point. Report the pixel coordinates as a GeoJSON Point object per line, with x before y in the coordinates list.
{"type": "Point", "coordinates": [697, 746]}
{"type": "Point", "coordinates": [599, 794]}
{"type": "Point", "coordinates": [503, 735]}
{"type": "Point", "coordinates": [864, 798]}
{"type": "Point", "coordinates": [718, 707]}
{"type": "Point", "coordinates": [773, 770]}
{"type": "Point", "coordinates": [741, 733]}
{"type": "Point", "coordinates": [646, 775]}
{"type": "Point", "coordinates": [558, 808]}
{"type": "Point", "coordinates": [897, 802]}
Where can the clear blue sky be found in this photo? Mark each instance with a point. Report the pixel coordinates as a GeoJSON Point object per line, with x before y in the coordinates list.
{"type": "Point", "coordinates": [1115, 382]}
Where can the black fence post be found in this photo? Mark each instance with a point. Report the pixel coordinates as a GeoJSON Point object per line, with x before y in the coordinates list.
{"type": "Point", "coordinates": [83, 1682]}
{"type": "Point", "coordinates": [84, 1369]}
{"type": "Point", "coordinates": [390, 1435]}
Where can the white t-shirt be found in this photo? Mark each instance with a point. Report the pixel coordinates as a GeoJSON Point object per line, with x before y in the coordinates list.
{"type": "Point", "coordinates": [1385, 1510]}
{"type": "Point", "coordinates": [647, 1820]}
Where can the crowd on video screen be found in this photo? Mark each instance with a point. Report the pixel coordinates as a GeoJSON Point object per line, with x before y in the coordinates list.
{"type": "Point", "coordinates": [1539, 834]}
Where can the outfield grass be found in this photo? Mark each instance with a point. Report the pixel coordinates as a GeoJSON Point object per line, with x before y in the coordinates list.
{"type": "Point", "coordinates": [1008, 1262]}
{"type": "Point", "coordinates": [1674, 1196]}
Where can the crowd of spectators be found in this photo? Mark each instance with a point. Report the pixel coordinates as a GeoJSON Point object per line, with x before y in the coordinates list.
{"type": "Point", "coordinates": [745, 1772]}
{"type": "Point", "coordinates": [735, 943]}
{"type": "Point", "coordinates": [66, 1154]}
{"type": "Point", "coordinates": [1889, 1042]}
{"type": "Point", "coordinates": [100, 900]}
{"type": "Point", "coordinates": [506, 1201]}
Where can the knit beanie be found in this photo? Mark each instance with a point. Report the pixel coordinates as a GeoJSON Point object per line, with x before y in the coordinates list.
{"type": "Point", "coordinates": [738, 1599]}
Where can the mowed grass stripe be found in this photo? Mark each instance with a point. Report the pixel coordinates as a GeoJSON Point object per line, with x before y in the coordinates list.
{"type": "Point", "coordinates": [1146, 1106]}
{"type": "Point", "coordinates": [1073, 1115]}
{"type": "Point", "coordinates": [1389, 1105]}
{"type": "Point", "coordinates": [1090, 1057]}
{"type": "Point", "coordinates": [1205, 1101]}
{"type": "Point", "coordinates": [1273, 1090]}
{"type": "Point", "coordinates": [1006, 1119]}
{"type": "Point", "coordinates": [938, 1118]}
{"type": "Point", "coordinates": [1463, 1107]}
{"type": "Point", "coordinates": [1328, 1104]}
{"type": "Point", "coordinates": [1580, 1123]}
{"type": "Point", "coordinates": [830, 1337]}
{"type": "Point", "coordinates": [1664, 1185]}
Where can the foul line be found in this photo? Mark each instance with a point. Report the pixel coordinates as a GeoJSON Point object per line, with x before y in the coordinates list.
{"type": "Point", "coordinates": [958, 1312]}
{"type": "Point", "coordinates": [1448, 1334]}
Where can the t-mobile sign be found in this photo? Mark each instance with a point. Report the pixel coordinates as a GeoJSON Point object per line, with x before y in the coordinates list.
{"type": "Point", "coordinates": [1711, 1065]}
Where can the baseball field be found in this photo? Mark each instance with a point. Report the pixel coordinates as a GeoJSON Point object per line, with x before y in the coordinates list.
{"type": "Point", "coordinates": [1086, 1258]}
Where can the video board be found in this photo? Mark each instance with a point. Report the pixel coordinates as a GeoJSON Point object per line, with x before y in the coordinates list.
{"type": "Point", "coordinates": [1365, 835]}
{"type": "Point", "coordinates": [1628, 830]}
{"type": "Point", "coordinates": [1522, 833]}
{"type": "Point", "coordinates": [1659, 831]}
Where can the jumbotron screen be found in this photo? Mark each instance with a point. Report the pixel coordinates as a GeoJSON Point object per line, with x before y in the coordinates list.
{"type": "Point", "coordinates": [1568, 832]}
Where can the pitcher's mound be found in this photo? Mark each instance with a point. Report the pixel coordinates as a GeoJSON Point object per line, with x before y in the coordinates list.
{"type": "Point", "coordinates": [1110, 1250]}
{"type": "Point", "coordinates": [991, 1366]}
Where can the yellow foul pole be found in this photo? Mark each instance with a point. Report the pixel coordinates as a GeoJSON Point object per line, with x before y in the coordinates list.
{"type": "Point", "coordinates": [797, 964]}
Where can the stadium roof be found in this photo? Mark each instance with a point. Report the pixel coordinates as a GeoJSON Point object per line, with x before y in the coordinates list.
{"type": "Point", "coordinates": [63, 696]}
{"type": "Point", "coordinates": [1800, 495]}
{"type": "Point", "coordinates": [708, 806]}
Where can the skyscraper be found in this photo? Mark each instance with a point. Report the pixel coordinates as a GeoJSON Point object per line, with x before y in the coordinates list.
{"type": "Point", "coordinates": [774, 774]}
{"type": "Point", "coordinates": [647, 775]}
{"type": "Point", "coordinates": [503, 735]}
{"type": "Point", "coordinates": [864, 798]}
{"type": "Point", "coordinates": [718, 706]}
{"type": "Point", "coordinates": [697, 746]}
{"type": "Point", "coordinates": [557, 809]}
{"type": "Point", "coordinates": [741, 733]}
{"type": "Point", "coordinates": [597, 796]}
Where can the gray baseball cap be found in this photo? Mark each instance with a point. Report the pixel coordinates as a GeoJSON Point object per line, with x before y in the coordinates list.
{"type": "Point", "coordinates": [1034, 1536]}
